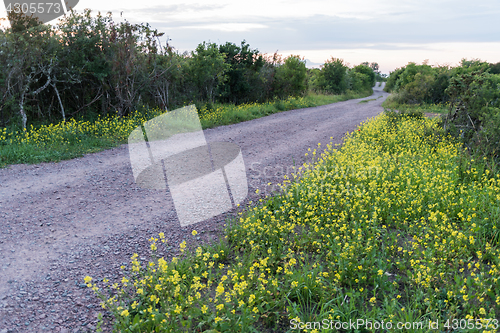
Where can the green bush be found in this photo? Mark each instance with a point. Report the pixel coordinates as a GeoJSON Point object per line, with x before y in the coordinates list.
{"type": "Point", "coordinates": [369, 81]}
{"type": "Point", "coordinates": [437, 93]}
{"type": "Point", "coordinates": [417, 90]}
{"type": "Point", "coordinates": [334, 76]}
{"type": "Point", "coordinates": [392, 79]}
{"type": "Point", "coordinates": [358, 81]}
{"type": "Point", "coordinates": [495, 68]}
{"type": "Point", "coordinates": [475, 112]}
{"type": "Point", "coordinates": [418, 84]}
{"type": "Point", "coordinates": [291, 78]}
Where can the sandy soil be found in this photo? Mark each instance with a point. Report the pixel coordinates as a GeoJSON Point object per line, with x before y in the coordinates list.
{"type": "Point", "coordinates": [62, 221]}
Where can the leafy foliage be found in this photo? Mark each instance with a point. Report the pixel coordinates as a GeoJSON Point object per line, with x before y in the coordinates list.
{"type": "Point", "coordinates": [334, 76]}
{"type": "Point", "coordinates": [244, 83]}
{"type": "Point", "coordinates": [207, 69]}
{"type": "Point", "coordinates": [416, 84]}
{"type": "Point", "coordinates": [290, 77]}
{"type": "Point", "coordinates": [369, 72]}
{"type": "Point", "coordinates": [495, 68]}
{"type": "Point", "coordinates": [475, 112]}
{"type": "Point", "coordinates": [90, 66]}
{"type": "Point", "coordinates": [471, 91]}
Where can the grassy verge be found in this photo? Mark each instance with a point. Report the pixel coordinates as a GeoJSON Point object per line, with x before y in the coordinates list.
{"type": "Point", "coordinates": [224, 114]}
{"type": "Point", "coordinates": [438, 109]}
{"type": "Point", "coordinates": [396, 226]}
{"type": "Point", "coordinates": [72, 139]}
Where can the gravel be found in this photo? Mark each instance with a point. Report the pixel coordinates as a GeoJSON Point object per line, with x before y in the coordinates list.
{"type": "Point", "coordinates": [62, 221]}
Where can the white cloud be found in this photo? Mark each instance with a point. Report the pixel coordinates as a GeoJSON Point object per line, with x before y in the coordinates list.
{"type": "Point", "coordinates": [227, 27]}
{"type": "Point", "coordinates": [399, 30]}
{"type": "Point", "coordinates": [401, 54]}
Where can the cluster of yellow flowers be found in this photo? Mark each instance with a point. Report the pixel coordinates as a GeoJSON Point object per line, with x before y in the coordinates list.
{"type": "Point", "coordinates": [117, 128]}
{"type": "Point", "coordinates": [72, 131]}
{"type": "Point", "coordinates": [396, 224]}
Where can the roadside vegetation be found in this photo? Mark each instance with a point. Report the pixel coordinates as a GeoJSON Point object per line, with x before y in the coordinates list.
{"type": "Point", "coordinates": [70, 139]}
{"type": "Point", "coordinates": [422, 109]}
{"type": "Point", "coordinates": [83, 85]}
{"type": "Point", "coordinates": [397, 225]}
{"type": "Point", "coordinates": [467, 97]}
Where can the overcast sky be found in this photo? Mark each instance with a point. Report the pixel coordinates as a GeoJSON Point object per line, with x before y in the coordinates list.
{"type": "Point", "coordinates": [390, 32]}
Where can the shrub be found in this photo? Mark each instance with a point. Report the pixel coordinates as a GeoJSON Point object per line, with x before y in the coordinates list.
{"type": "Point", "coordinates": [334, 78]}
{"type": "Point", "coordinates": [370, 74]}
{"type": "Point", "coordinates": [437, 93]}
{"type": "Point", "coordinates": [290, 78]}
{"type": "Point", "coordinates": [417, 90]}
{"type": "Point", "coordinates": [393, 78]}
{"type": "Point", "coordinates": [475, 112]}
{"type": "Point", "coordinates": [495, 68]}
{"type": "Point", "coordinates": [358, 81]}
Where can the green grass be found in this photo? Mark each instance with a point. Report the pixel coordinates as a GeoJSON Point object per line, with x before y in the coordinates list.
{"type": "Point", "coordinates": [367, 100]}
{"type": "Point", "coordinates": [398, 225]}
{"type": "Point", "coordinates": [224, 114]}
{"type": "Point", "coordinates": [66, 140]}
{"type": "Point", "coordinates": [439, 109]}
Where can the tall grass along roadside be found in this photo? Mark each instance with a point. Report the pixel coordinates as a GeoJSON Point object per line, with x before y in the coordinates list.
{"type": "Point", "coordinates": [439, 108]}
{"type": "Point", "coordinates": [65, 140]}
{"type": "Point", "coordinates": [397, 226]}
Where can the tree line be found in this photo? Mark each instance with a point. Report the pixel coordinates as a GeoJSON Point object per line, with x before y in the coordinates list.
{"type": "Point", "coordinates": [90, 65]}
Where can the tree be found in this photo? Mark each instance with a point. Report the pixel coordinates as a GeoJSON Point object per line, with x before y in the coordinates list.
{"type": "Point", "coordinates": [84, 65]}
{"type": "Point", "coordinates": [207, 68]}
{"type": "Point", "coordinates": [368, 71]}
{"type": "Point", "coordinates": [243, 80]}
{"type": "Point", "coordinates": [495, 68]}
{"type": "Point", "coordinates": [28, 58]}
{"type": "Point", "coordinates": [167, 73]}
{"type": "Point", "coordinates": [358, 81]}
{"type": "Point", "coordinates": [333, 74]}
{"type": "Point", "coordinates": [314, 79]}
{"type": "Point", "coordinates": [374, 66]}
{"type": "Point", "coordinates": [132, 51]}
{"type": "Point", "coordinates": [290, 78]}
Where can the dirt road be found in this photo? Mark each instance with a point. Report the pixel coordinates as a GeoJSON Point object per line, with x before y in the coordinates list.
{"type": "Point", "coordinates": [62, 221]}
